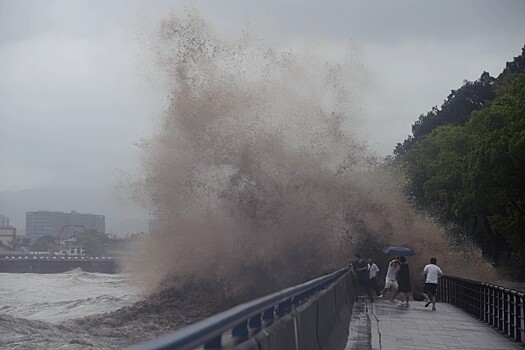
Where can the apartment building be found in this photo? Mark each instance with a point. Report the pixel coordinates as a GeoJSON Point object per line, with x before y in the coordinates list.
{"type": "Point", "coordinates": [4, 221]}
{"type": "Point", "coordinates": [53, 223]}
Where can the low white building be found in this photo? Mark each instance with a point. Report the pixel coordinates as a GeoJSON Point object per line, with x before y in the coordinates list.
{"type": "Point", "coordinates": [69, 247]}
{"type": "Point", "coordinates": [70, 250]}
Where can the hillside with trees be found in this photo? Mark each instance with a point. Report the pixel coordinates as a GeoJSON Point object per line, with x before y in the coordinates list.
{"type": "Point", "coordinates": [465, 163]}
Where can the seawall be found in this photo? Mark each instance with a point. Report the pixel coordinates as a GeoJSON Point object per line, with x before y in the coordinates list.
{"type": "Point", "coordinates": [57, 264]}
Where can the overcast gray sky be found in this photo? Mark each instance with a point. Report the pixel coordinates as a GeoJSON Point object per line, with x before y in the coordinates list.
{"type": "Point", "coordinates": [73, 99]}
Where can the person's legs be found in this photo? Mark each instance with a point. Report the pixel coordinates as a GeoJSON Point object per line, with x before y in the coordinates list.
{"type": "Point", "coordinates": [427, 293]}
{"type": "Point", "coordinates": [369, 289]}
{"type": "Point", "coordinates": [402, 298]}
{"type": "Point", "coordinates": [372, 286]}
{"type": "Point", "coordinates": [431, 289]}
{"type": "Point", "coordinates": [359, 287]}
{"type": "Point", "coordinates": [433, 296]}
{"type": "Point", "coordinates": [362, 287]}
{"type": "Point", "coordinates": [375, 286]}
{"type": "Point", "coordinates": [426, 297]}
{"type": "Point", "coordinates": [396, 291]}
{"type": "Point", "coordinates": [388, 286]}
{"type": "Point", "coordinates": [394, 295]}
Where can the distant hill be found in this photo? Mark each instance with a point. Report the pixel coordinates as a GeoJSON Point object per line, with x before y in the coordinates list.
{"type": "Point", "coordinates": [121, 218]}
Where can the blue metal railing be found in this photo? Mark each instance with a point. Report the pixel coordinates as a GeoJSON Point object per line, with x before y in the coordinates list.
{"type": "Point", "coordinates": [237, 324]}
{"type": "Point", "coordinates": [500, 307]}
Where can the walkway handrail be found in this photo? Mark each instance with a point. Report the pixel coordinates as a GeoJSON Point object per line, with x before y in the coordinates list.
{"type": "Point", "coordinates": [209, 331]}
{"type": "Point", "coordinates": [500, 307]}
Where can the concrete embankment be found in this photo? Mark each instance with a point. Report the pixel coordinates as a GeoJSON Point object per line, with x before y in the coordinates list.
{"type": "Point", "coordinates": [56, 264]}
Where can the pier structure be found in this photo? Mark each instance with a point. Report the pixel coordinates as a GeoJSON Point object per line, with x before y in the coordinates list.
{"type": "Point", "coordinates": [327, 313]}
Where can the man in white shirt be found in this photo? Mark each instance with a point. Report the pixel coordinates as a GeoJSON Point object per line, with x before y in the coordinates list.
{"type": "Point", "coordinates": [431, 274]}
{"type": "Point", "coordinates": [373, 270]}
{"type": "Point", "coordinates": [391, 279]}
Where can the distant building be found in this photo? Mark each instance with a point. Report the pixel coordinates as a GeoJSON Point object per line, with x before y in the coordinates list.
{"type": "Point", "coordinates": [54, 223]}
{"type": "Point", "coordinates": [69, 247]}
{"type": "Point", "coordinates": [7, 236]}
{"type": "Point", "coordinates": [4, 221]}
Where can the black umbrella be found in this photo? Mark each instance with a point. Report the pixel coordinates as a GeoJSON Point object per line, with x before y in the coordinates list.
{"type": "Point", "coordinates": [399, 251]}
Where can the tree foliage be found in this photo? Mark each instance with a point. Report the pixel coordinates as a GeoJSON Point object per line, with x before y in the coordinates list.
{"type": "Point", "coordinates": [456, 110]}
{"type": "Point", "coordinates": [43, 244]}
{"type": "Point", "coordinates": [466, 161]}
{"type": "Point", "coordinates": [94, 243]}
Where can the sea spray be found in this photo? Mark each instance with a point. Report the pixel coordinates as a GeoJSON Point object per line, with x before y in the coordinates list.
{"type": "Point", "coordinates": [257, 178]}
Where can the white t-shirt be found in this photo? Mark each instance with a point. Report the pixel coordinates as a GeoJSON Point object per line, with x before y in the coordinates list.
{"type": "Point", "coordinates": [391, 272]}
{"type": "Point", "coordinates": [373, 270]}
{"type": "Point", "coordinates": [432, 272]}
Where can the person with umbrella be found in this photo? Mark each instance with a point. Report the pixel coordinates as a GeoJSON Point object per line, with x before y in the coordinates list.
{"type": "Point", "coordinates": [403, 281]}
{"type": "Point", "coordinates": [403, 273]}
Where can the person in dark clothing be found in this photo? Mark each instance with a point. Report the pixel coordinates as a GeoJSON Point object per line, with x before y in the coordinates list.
{"type": "Point", "coordinates": [403, 281]}
{"type": "Point", "coordinates": [361, 269]}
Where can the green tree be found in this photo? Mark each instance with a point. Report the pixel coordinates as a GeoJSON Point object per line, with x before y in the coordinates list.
{"type": "Point", "coordinates": [94, 243]}
{"type": "Point", "coordinates": [43, 244]}
{"type": "Point", "coordinates": [436, 165]}
{"type": "Point", "coordinates": [455, 110]}
{"type": "Point", "coordinates": [495, 180]}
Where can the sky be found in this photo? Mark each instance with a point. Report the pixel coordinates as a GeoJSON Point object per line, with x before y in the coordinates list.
{"type": "Point", "coordinates": [74, 97]}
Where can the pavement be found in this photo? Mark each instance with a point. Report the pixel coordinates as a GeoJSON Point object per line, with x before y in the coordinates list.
{"type": "Point", "coordinates": [383, 325]}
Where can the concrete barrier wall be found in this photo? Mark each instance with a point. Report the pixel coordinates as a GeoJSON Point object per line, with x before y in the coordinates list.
{"type": "Point", "coordinates": [321, 323]}
{"type": "Point", "coordinates": [57, 266]}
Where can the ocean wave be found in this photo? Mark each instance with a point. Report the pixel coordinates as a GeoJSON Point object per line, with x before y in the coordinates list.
{"type": "Point", "coordinates": [154, 316]}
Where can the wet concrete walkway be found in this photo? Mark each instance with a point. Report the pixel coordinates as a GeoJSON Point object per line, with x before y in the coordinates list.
{"type": "Point", "coordinates": [383, 325]}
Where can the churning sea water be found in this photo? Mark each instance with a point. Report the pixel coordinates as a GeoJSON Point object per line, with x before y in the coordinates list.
{"type": "Point", "coordinates": [46, 311]}
{"type": "Point", "coordinates": [78, 310]}
{"type": "Point", "coordinates": [59, 297]}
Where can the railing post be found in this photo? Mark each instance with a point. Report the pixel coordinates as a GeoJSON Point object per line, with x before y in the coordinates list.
{"type": "Point", "coordinates": [519, 317]}
{"type": "Point", "coordinates": [506, 311]}
{"type": "Point", "coordinates": [500, 325]}
{"type": "Point", "coordinates": [255, 323]}
{"type": "Point", "coordinates": [512, 315]}
{"type": "Point", "coordinates": [457, 301]}
{"type": "Point", "coordinates": [240, 332]}
{"type": "Point", "coordinates": [215, 343]}
{"type": "Point", "coordinates": [491, 305]}
{"type": "Point", "coordinates": [480, 300]}
{"type": "Point", "coordinates": [456, 293]}
{"type": "Point", "coordinates": [284, 307]}
{"type": "Point", "coordinates": [268, 316]}
{"type": "Point", "coordinates": [485, 303]}
{"type": "Point", "coordinates": [496, 307]}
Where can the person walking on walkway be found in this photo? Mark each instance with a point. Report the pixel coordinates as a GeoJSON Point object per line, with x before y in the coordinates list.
{"type": "Point", "coordinates": [373, 271]}
{"type": "Point", "coordinates": [391, 279]}
{"type": "Point", "coordinates": [404, 281]}
{"type": "Point", "coordinates": [431, 274]}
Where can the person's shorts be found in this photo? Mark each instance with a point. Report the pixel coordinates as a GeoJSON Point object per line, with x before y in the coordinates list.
{"type": "Point", "coordinates": [430, 288]}
{"type": "Point", "coordinates": [390, 284]}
